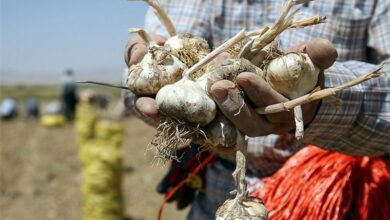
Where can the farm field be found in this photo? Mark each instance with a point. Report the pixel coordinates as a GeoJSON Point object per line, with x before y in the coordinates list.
{"type": "Point", "coordinates": [40, 171]}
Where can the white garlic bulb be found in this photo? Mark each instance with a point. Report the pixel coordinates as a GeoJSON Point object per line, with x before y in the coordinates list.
{"type": "Point", "coordinates": [186, 100]}
{"type": "Point", "coordinates": [292, 75]}
{"type": "Point", "coordinates": [189, 49]}
{"type": "Point", "coordinates": [221, 133]}
{"type": "Point", "coordinates": [157, 69]}
{"type": "Point", "coordinates": [250, 209]}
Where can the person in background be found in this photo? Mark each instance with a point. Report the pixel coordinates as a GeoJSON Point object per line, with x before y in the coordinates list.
{"type": "Point", "coordinates": [68, 94]}
{"type": "Point", "coordinates": [32, 108]}
{"type": "Point", "coordinates": [8, 108]}
{"type": "Point", "coordinates": [360, 31]}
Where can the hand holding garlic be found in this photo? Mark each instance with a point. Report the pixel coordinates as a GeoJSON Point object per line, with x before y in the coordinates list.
{"type": "Point", "coordinates": [276, 90]}
{"type": "Point", "coordinates": [178, 73]}
{"type": "Point", "coordinates": [135, 51]}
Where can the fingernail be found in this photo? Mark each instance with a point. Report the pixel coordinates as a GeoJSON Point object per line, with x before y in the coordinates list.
{"type": "Point", "coordinates": [220, 94]}
{"type": "Point", "coordinates": [134, 48]}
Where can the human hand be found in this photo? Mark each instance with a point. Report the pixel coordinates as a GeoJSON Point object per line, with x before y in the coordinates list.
{"type": "Point", "coordinates": [259, 94]}
{"type": "Point", "coordinates": [135, 51]}
{"type": "Point", "coordinates": [136, 48]}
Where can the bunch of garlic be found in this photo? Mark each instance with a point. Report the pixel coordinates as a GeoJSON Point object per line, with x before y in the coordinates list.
{"type": "Point", "coordinates": [163, 65]}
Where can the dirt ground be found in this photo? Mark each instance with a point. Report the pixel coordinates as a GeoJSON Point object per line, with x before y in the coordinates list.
{"type": "Point", "coordinates": [40, 173]}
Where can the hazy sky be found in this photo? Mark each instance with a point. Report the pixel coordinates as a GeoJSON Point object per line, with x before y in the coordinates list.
{"type": "Point", "coordinates": [41, 38]}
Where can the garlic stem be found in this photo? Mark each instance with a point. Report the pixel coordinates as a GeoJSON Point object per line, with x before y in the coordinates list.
{"type": "Point", "coordinates": [257, 32]}
{"type": "Point", "coordinates": [239, 173]}
{"type": "Point", "coordinates": [286, 106]}
{"type": "Point", "coordinates": [223, 47]}
{"type": "Point", "coordinates": [298, 122]}
{"type": "Point", "coordinates": [162, 16]}
{"type": "Point", "coordinates": [283, 22]}
{"type": "Point", "coordinates": [248, 46]}
{"type": "Point", "coordinates": [308, 22]}
{"type": "Point", "coordinates": [144, 35]}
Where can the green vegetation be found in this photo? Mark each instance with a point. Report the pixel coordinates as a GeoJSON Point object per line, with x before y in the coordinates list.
{"type": "Point", "coordinates": [49, 92]}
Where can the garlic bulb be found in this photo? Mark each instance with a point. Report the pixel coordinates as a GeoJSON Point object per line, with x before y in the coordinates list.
{"type": "Point", "coordinates": [292, 75]}
{"type": "Point", "coordinates": [187, 48]}
{"type": "Point", "coordinates": [203, 81]}
{"type": "Point", "coordinates": [250, 209]}
{"type": "Point", "coordinates": [229, 69]}
{"type": "Point", "coordinates": [221, 133]}
{"type": "Point", "coordinates": [157, 69]}
{"type": "Point", "coordinates": [186, 100]}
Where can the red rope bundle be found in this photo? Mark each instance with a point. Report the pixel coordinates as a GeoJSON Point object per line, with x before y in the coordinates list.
{"type": "Point", "coordinates": [317, 184]}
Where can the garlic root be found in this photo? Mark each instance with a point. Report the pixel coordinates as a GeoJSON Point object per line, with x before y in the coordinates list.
{"type": "Point", "coordinates": [186, 107]}
{"type": "Point", "coordinates": [171, 135]}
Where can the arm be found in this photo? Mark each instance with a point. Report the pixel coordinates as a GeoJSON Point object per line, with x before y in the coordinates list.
{"type": "Point", "coordinates": [361, 124]}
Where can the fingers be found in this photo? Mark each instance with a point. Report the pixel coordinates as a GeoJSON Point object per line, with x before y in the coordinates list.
{"type": "Point", "coordinates": [299, 48]}
{"type": "Point", "coordinates": [147, 106]}
{"type": "Point", "coordinates": [136, 49]}
{"type": "Point", "coordinates": [258, 90]}
{"type": "Point", "coordinates": [160, 40]}
{"type": "Point", "coordinates": [243, 116]}
{"type": "Point", "coordinates": [261, 94]}
{"type": "Point", "coordinates": [321, 52]}
{"type": "Point", "coordinates": [136, 53]}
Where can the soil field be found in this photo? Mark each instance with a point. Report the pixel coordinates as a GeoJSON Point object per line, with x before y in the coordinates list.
{"type": "Point", "coordinates": [40, 173]}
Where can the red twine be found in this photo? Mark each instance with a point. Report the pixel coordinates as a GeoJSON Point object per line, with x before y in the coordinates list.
{"type": "Point", "coordinates": [184, 181]}
{"type": "Point", "coordinates": [316, 184]}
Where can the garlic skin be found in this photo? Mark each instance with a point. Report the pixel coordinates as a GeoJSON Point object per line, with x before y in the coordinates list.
{"type": "Point", "coordinates": [292, 75]}
{"type": "Point", "coordinates": [157, 69]}
{"type": "Point", "coordinates": [203, 81]}
{"type": "Point", "coordinates": [250, 209]}
{"type": "Point", "coordinates": [229, 69]}
{"type": "Point", "coordinates": [186, 100]}
{"type": "Point", "coordinates": [221, 133]}
{"type": "Point", "coordinates": [189, 49]}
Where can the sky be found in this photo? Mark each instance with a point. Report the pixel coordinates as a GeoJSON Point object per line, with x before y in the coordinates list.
{"type": "Point", "coordinates": [40, 39]}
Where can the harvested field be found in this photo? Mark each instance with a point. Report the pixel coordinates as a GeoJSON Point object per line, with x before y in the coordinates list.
{"type": "Point", "coordinates": [40, 173]}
